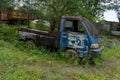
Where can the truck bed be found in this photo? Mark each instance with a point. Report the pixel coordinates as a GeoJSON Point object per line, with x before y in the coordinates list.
{"type": "Point", "coordinates": [40, 37]}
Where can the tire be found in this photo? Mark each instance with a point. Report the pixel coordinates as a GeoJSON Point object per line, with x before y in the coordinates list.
{"type": "Point", "coordinates": [30, 44]}
{"type": "Point", "coordinates": [71, 54]}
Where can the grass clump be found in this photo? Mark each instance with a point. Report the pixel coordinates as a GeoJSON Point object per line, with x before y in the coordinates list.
{"type": "Point", "coordinates": [20, 63]}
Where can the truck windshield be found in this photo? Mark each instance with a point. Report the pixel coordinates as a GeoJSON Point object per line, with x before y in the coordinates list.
{"type": "Point", "coordinates": [91, 28]}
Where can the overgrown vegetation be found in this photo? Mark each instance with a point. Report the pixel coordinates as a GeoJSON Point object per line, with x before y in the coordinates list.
{"type": "Point", "coordinates": [18, 62]}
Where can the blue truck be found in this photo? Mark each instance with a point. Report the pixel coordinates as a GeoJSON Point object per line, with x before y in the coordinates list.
{"type": "Point", "coordinates": [77, 35]}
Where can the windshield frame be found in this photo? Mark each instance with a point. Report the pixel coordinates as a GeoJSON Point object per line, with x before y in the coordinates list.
{"type": "Point", "coordinates": [90, 27]}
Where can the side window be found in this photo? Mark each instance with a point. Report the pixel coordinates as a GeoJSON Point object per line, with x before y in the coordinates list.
{"type": "Point", "coordinates": [74, 26]}
{"type": "Point", "coordinates": [68, 25]}
{"type": "Point", "coordinates": [80, 27]}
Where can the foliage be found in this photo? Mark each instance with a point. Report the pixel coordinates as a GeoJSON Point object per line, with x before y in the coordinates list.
{"type": "Point", "coordinates": [5, 4]}
{"type": "Point", "coordinates": [19, 63]}
{"type": "Point", "coordinates": [7, 33]}
{"type": "Point", "coordinates": [53, 10]}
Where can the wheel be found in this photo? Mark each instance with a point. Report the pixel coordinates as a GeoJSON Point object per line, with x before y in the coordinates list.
{"type": "Point", "coordinates": [72, 54]}
{"type": "Point", "coordinates": [30, 44]}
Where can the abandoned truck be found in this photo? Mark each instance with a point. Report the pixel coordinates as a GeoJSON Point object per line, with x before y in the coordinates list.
{"type": "Point", "coordinates": [75, 34]}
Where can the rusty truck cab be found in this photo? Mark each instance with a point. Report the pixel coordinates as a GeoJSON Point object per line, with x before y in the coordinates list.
{"type": "Point", "coordinates": [79, 34]}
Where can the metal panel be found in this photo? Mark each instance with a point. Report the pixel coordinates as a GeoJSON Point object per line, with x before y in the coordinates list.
{"type": "Point", "coordinates": [76, 41]}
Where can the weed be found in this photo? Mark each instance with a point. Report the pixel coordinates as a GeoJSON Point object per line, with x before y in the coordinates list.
{"type": "Point", "coordinates": [20, 63]}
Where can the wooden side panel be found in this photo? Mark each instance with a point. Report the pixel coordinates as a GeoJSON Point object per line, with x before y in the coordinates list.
{"type": "Point", "coordinates": [3, 16]}
{"type": "Point", "coordinates": [20, 15]}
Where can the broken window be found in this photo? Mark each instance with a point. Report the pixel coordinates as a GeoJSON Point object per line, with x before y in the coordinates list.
{"type": "Point", "coordinates": [74, 26]}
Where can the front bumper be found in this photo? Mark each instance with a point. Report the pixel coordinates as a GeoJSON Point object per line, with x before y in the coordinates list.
{"type": "Point", "coordinates": [97, 50]}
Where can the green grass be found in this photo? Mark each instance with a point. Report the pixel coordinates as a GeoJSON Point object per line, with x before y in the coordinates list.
{"type": "Point", "coordinates": [20, 63]}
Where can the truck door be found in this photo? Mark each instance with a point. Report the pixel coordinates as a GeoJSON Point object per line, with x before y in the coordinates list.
{"type": "Point", "coordinates": [73, 36]}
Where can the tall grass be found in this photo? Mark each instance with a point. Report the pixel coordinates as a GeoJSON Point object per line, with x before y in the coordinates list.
{"type": "Point", "coordinates": [20, 63]}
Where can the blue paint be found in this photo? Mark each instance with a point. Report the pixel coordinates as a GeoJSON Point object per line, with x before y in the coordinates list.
{"type": "Point", "coordinates": [79, 42]}
{"type": "Point", "coordinates": [86, 42]}
{"type": "Point", "coordinates": [63, 40]}
{"type": "Point", "coordinates": [74, 42]}
{"type": "Point", "coordinates": [91, 39]}
{"type": "Point", "coordinates": [60, 33]}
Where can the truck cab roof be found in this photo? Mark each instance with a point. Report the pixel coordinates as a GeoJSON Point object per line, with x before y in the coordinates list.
{"type": "Point", "coordinates": [74, 18]}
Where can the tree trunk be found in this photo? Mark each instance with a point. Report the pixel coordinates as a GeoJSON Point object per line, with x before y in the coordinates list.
{"type": "Point", "coordinates": [52, 26]}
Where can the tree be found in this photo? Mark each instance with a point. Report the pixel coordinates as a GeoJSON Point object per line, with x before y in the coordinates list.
{"type": "Point", "coordinates": [5, 4]}
{"type": "Point", "coordinates": [52, 10]}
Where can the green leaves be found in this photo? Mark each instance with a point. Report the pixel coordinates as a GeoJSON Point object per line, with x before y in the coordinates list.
{"type": "Point", "coordinates": [52, 10]}
{"type": "Point", "coordinates": [4, 4]}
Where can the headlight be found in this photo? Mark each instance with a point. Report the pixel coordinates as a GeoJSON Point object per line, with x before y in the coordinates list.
{"type": "Point", "coordinates": [94, 46]}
